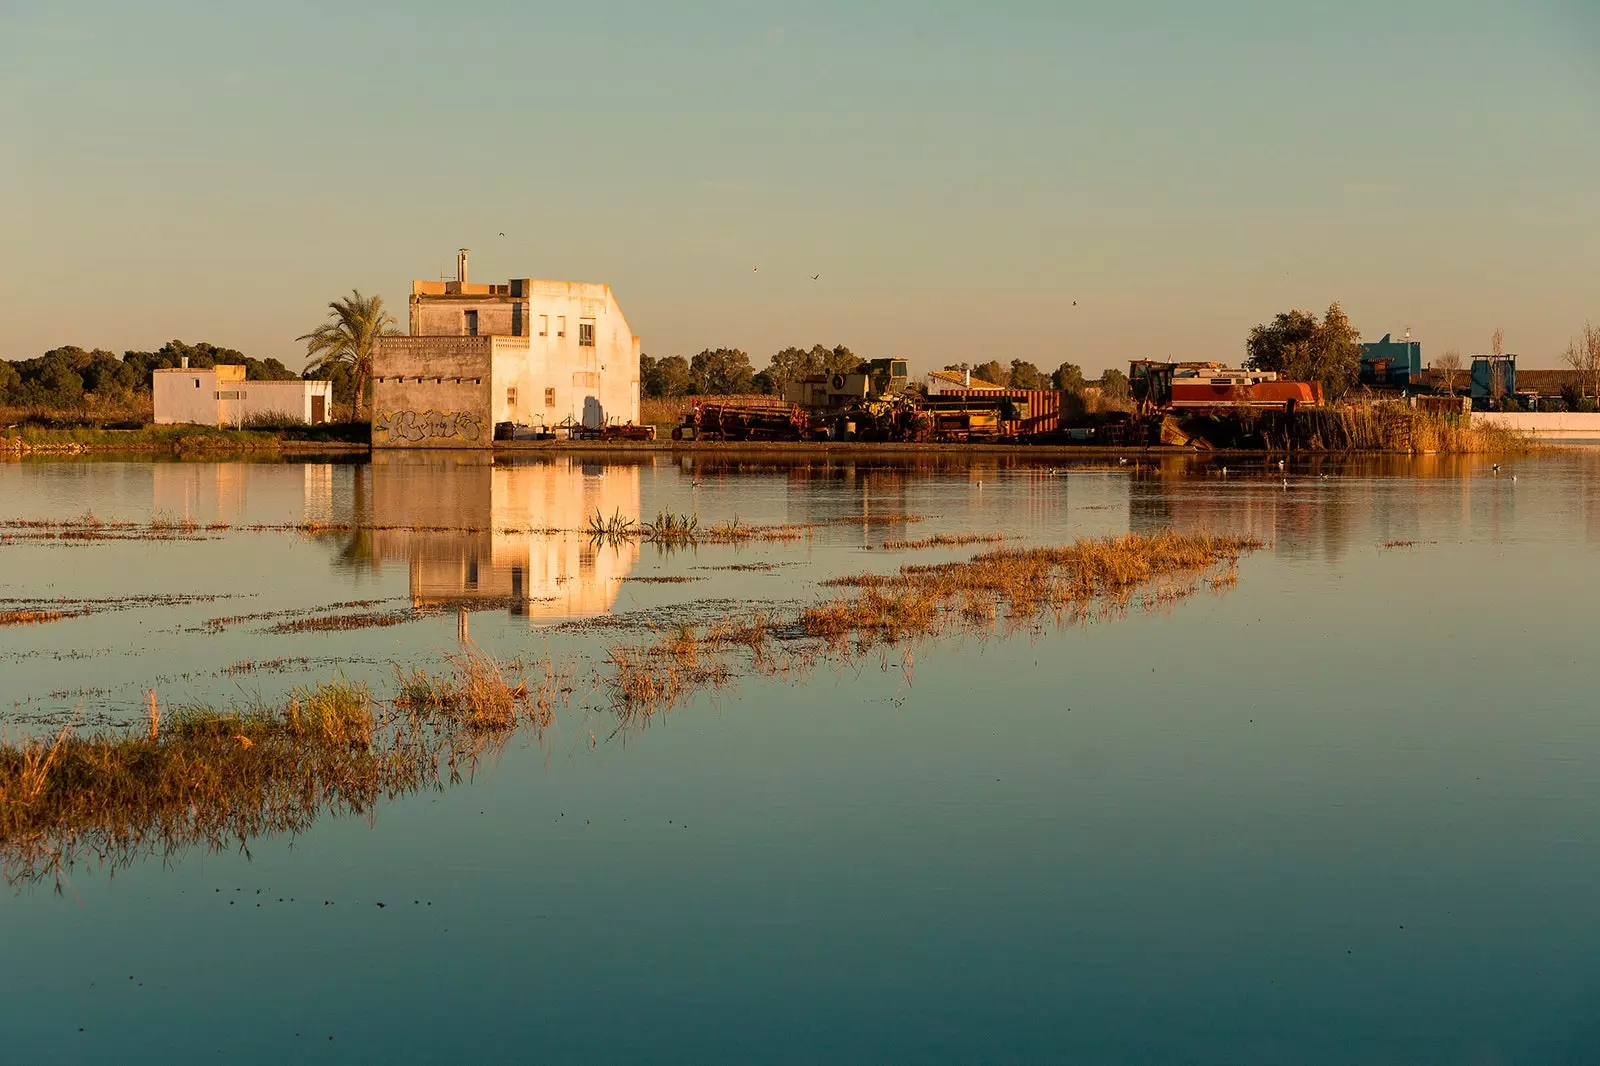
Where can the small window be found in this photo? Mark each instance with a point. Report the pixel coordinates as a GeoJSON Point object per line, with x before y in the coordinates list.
{"type": "Point", "coordinates": [511, 397]}
{"type": "Point", "coordinates": [472, 323]}
{"type": "Point", "coordinates": [197, 383]}
{"type": "Point", "coordinates": [586, 334]}
{"type": "Point", "coordinates": [549, 397]}
{"type": "Point", "coordinates": [544, 325]}
{"type": "Point", "coordinates": [561, 325]}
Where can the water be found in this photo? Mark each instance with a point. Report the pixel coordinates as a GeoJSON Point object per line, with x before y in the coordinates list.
{"type": "Point", "coordinates": [1343, 812]}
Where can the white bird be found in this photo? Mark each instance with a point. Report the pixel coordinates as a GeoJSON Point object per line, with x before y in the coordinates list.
{"type": "Point", "coordinates": [1495, 467]}
{"type": "Point", "coordinates": [1280, 464]}
{"type": "Point", "coordinates": [1285, 482]}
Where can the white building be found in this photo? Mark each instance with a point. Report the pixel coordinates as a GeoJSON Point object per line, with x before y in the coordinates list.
{"type": "Point", "coordinates": [220, 396]}
{"type": "Point", "coordinates": [544, 354]}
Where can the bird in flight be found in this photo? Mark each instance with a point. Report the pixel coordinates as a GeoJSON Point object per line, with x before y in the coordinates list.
{"type": "Point", "coordinates": [502, 233]}
{"type": "Point", "coordinates": [814, 277]}
{"type": "Point", "coordinates": [1074, 302]}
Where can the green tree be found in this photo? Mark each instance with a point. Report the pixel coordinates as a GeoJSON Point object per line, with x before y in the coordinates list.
{"type": "Point", "coordinates": [789, 365]}
{"type": "Point", "coordinates": [993, 372]}
{"type": "Point", "coordinates": [1114, 385]}
{"type": "Point", "coordinates": [1025, 375]}
{"type": "Point", "coordinates": [721, 371]}
{"type": "Point", "coordinates": [1299, 348]}
{"type": "Point", "coordinates": [10, 380]}
{"type": "Point", "coordinates": [674, 376]}
{"type": "Point", "coordinates": [1068, 377]}
{"type": "Point", "coordinates": [836, 360]}
{"type": "Point", "coordinates": [347, 336]}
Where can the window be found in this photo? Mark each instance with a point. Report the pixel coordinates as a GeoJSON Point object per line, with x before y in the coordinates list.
{"type": "Point", "coordinates": [549, 397]}
{"type": "Point", "coordinates": [561, 325]}
{"type": "Point", "coordinates": [544, 325]}
{"type": "Point", "coordinates": [197, 383]}
{"type": "Point", "coordinates": [472, 323]}
{"type": "Point", "coordinates": [586, 334]}
{"type": "Point", "coordinates": [511, 397]}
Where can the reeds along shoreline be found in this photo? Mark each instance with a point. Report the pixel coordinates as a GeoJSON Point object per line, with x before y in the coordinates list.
{"type": "Point", "coordinates": [1389, 427]}
{"type": "Point", "coordinates": [217, 778]}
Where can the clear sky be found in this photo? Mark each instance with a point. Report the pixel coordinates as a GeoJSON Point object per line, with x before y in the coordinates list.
{"type": "Point", "coordinates": [958, 173]}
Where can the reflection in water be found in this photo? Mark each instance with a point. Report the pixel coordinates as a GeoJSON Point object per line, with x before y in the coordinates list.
{"type": "Point", "coordinates": [473, 528]}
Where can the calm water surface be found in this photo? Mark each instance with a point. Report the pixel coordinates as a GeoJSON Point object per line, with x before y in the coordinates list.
{"type": "Point", "coordinates": [1345, 812]}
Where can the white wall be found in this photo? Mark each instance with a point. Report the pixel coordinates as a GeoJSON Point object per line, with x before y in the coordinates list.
{"type": "Point", "coordinates": [592, 386]}
{"type": "Point", "coordinates": [185, 396]}
{"type": "Point", "coordinates": [1554, 425]}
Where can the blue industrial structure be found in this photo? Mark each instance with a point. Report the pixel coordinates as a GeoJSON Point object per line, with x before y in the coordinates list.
{"type": "Point", "coordinates": [1391, 362]}
{"type": "Point", "coordinates": [1494, 377]}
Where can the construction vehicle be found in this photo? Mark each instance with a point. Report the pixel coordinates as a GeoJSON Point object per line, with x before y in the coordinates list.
{"type": "Point", "coordinates": [743, 420]}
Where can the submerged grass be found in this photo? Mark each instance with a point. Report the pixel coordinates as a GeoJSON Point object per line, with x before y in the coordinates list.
{"type": "Point", "coordinates": [216, 778]}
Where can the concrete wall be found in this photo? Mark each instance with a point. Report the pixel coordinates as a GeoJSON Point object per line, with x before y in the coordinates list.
{"type": "Point", "coordinates": [432, 392]}
{"type": "Point", "coordinates": [185, 396]}
{"type": "Point", "coordinates": [591, 385]}
{"type": "Point", "coordinates": [1556, 425]}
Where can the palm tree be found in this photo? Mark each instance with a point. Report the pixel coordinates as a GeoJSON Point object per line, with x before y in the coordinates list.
{"type": "Point", "coordinates": [347, 336]}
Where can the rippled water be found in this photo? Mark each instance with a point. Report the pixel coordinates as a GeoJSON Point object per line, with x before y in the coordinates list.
{"type": "Point", "coordinates": [1342, 812]}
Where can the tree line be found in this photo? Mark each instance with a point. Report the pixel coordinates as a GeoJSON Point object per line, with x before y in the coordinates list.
{"type": "Point", "coordinates": [729, 371]}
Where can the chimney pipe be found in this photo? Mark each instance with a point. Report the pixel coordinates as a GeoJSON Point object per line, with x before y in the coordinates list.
{"type": "Point", "coordinates": [185, 359]}
{"type": "Point", "coordinates": [966, 377]}
{"type": "Point", "coordinates": [461, 265]}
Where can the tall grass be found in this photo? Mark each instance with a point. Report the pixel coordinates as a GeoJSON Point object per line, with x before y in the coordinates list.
{"type": "Point", "coordinates": [1389, 427]}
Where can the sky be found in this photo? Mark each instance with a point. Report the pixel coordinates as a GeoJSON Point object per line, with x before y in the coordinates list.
{"type": "Point", "coordinates": [1049, 181]}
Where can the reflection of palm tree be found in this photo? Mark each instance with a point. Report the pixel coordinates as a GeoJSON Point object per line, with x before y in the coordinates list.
{"type": "Point", "coordinates": [355, 548]}
{"type": "Point", "coordinates": [347, 336]}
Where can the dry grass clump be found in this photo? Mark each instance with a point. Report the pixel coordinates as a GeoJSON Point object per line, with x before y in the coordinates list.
{"type": "Point", "coordinates": [1399, 544]}
{"type": "Point", "coordinates": [943, 540]}
{"type": "Point", "coordinates": [661, 579]}
{"type": "Point", "coordinates": [734, 531]}
{"type": "Point", "coordinates": [217, 778]}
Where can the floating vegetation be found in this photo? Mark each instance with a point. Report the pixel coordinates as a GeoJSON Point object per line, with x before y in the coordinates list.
{"type": "Point", "coordinates": [661, 579]}
{"type": "Point", "coordinates": [380, 619]}
{"type": "Point", "coordinates": [16, 611]}
{"type": "Point", "coordinates": [1399, 544]}
{"type": "Point", "coordinates": [217, 625]}
{"type": "Point", "coordinates": [36, 617]}
{"type": "Point", "coordinates": [210, 778]}
{"type": "Point", "coordinates": [943, 540]}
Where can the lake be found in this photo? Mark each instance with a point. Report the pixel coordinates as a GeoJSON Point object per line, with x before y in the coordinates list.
{"type": "Point", "coordinates": [1344, 810]}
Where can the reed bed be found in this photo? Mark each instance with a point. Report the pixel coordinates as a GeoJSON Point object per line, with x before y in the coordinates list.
{"type": "Point", "coordinates": [1390, 427]}
{"type": "Point", "coordinates": [209, 778]}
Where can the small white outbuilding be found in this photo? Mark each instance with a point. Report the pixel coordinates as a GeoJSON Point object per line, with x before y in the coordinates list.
{"type": "Point", "coordinates": [220, 396]}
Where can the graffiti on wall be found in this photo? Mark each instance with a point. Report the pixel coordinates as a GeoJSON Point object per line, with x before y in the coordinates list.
{"type": "Point", "coordinates": [417, 427]}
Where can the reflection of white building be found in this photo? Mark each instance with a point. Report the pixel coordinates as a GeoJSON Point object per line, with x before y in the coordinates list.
{"type": "Point", "coordinates": [472, 528]}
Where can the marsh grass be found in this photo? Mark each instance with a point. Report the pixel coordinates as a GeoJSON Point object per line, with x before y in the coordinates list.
{"type": "Point", "coordinates": [943, 540]}
{"type": "Point", "coordinates": [216, 778]}
{"type": "Point", "coordinates": [672, 528]}
{"type": "Point", "coordinates": [1390, 427]}
{"type": "Point", "coordinates": [1007, 587]}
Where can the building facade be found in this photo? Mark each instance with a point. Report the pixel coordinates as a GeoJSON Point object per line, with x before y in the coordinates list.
{"type": "Point", "coordinates": [220, 396]}
{"type": "Point", "coordinates": [542, 354]}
